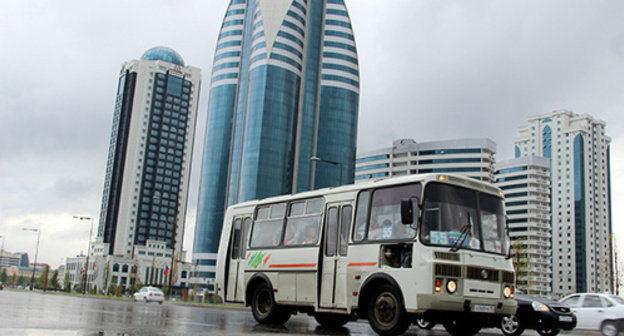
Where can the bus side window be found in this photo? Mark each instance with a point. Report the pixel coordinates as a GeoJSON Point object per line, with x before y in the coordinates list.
{"type": "Point", "coordinates": [267, 232]}
{"type": "Point", "coordinates": [236, 238]}
{"type": "Point", "coordinates": [246, 228]}
{"type": "Point", "coordinates": [303, 223]}
{"type": "Point", "coordinates": [345, 222]}
{"type": "Point", "coordinates": [361, 213]}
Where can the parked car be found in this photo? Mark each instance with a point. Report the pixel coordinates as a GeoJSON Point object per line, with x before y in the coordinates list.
{"type": "Point", "coordinates": [1, 285]}
{"type": "Point", "coordinates": [604, 312]}
{"type": "Point", "coordinates": [149, 294]}
{"type": "Point", "coordinates": [547, 317]}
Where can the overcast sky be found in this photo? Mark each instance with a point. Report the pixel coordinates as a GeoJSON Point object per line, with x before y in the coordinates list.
{"type": "Point", "coordinates": [430, 70]}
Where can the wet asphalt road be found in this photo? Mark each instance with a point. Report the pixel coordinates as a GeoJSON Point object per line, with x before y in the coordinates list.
{"type": "Point", "coordinates": [33, 313]}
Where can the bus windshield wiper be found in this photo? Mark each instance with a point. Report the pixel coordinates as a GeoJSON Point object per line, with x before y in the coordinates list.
{"type": "Point", "coordinates": [463, 234]}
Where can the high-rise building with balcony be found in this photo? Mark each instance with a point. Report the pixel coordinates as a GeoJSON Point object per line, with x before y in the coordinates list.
{"type": "Point", "coordinates": [526, 184]}
{"type": "Point", "coordinates": [145, 194]}
{"type": "Point", "coordinates": [580, 180]}
{"type": "Point", "coordinates": [284, 89]}
{"type": "Point", "coordinates": [473, 158]}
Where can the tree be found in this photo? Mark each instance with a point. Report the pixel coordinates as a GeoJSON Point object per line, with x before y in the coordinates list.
{"type": "Point", "coordinates": [22, 281]}
{"type": "Point", "coordinates": [53, 283]}
{"type": "Point", "coordinates": [3, 276]}
{"type": "Point", "coordinates": [66, 282]}
{"type": "Point", "coordinates": [14, 279]}
{"type": "Point", "coordinates": [42, 282]}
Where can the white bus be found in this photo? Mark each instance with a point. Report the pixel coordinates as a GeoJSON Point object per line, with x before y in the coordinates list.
{"type": "Point", "coordinates": [431, 247]}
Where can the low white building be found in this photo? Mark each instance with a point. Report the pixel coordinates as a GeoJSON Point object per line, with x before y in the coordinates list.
{"type": "Point", "coordinates": [152, 264]}
{"type": "Point", "coordinates": [473, 158]}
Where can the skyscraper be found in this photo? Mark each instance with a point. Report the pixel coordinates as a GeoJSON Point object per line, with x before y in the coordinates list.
{"type": "Point", "coordinates": [148, 167]}
{"type": "Point", "coordinates": [284, 89]}
{"type": "Point", "coordinates": [526, 183]}
{"type": "Point", "coordinates": [580, 193]}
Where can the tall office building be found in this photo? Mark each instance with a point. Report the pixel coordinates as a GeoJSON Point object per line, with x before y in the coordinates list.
{"type": "Point", "coordinates": [284, 89]}
{"type": "Point", "coordinates": [148, 168]}
{"type": "Point", "coordinates": [581, 202]}
{"type": "Point", "coordinates": [473, 158]}
{"type": "Point", "coordinates": [526, 184]}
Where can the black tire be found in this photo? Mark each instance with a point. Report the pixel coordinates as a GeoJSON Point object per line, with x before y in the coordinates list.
{"type": "Point", "coordinates": [264, 308]}
{"type": "Point", "coordinates": [609, 328]}
{"type": "Point", "coordinates": [510, 325]}
{"type": "Point", "coordinates": [423, 323]}
{"type": "Point", "coordinates": [461, 327]}
{"type": "Point", "coordinates": [331, 321]}
{"type": "Point", "coordinates": [386, 313]}
{"type": "Point", "coordinates": [548, 332]}
{"type": "Point", "coordinates": [144, 300]}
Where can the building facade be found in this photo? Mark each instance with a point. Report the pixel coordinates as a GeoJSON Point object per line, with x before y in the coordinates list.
{"type": "Point", "coordinates": [8, 259]}
{"type": "Point", "coordinates": [473, 158]}
{"type": "Point", "coordinates": [284, 89]}
{"type": "Point", "coordinates": [148, 168]}
{"type": "Point", "coordinates": [526, 184]}
{"type": "Point", "coordinates": [580, 192]}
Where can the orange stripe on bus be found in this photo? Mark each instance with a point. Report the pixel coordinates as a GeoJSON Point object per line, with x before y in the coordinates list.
{"type": "Point", "coordinates": [363, 264]}
{"type": "Point", "coordinates": [291, 265]}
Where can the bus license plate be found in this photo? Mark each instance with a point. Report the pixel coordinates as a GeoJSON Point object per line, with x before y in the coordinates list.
{"type": "Point", "coordinates": [565, 318]}
{"type": "Point", "coordinates": [483, 308]}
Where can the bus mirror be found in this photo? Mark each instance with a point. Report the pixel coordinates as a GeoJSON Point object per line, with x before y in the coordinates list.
{"type": "Point", "coordinates": [407, 211]}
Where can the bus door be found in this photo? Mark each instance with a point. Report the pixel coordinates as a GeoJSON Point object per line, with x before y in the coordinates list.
{"type": "Point", "coordinates": [235, 266]}
{"type": "Point", "coordinates": [334, 256]}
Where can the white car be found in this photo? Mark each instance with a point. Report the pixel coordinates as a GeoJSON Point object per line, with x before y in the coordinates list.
{"type": "Point", "coordinates": [149, 294]}
{"type": "Point", "coordinates": [604, 312]}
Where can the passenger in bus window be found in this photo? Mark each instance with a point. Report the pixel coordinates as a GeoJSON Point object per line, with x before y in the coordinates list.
{"type": "Point", "coordinates": [290, 235]}
{"type": "Point", "coordinates": [310, 234]}
{"type": "Point", "coordinates": [374, 229]}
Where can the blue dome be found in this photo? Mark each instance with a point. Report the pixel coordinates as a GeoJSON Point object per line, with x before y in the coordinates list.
{"type": "Point", "coordinates": [163, 54]}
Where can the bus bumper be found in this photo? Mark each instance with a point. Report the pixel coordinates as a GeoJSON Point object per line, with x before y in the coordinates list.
{"type": "Point", "coordinates": [449, 303]}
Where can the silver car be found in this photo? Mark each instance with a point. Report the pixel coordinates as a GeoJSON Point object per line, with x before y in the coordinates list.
{"type": "Point", "coordinates": [594, 311]}
{"type": "Point", "coordinates": [149, 294]}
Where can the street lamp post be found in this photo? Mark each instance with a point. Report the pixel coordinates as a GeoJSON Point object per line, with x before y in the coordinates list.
{"type": "Point", "coordinates": [171, 270]}
{"type": "Point", "coordinates": [85, 281]}
{"type": "Point", "coordinates": [337, 164]}
{"type": "Point", "coordinates": [32, 278]}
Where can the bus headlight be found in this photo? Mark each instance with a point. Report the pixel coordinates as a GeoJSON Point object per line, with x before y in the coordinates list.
{"type": "Point", "coordinates": [508, 292]}
{"type": "Point", "coordinates": [451, 286]}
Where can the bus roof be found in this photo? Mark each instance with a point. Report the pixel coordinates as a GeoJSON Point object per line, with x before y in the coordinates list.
{"type": "Point", "coordinates": [381, 182]}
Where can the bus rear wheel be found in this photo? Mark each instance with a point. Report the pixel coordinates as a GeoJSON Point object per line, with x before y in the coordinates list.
{"type": "Point", "coordinates": [331, 321]}
{"type": "Point", "coordinates": [386, 313]}
{"type": "Point", "coordinates": [264, 308]}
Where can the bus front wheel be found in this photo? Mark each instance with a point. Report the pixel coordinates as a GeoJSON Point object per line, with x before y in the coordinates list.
{"type": "Point", "coordinates": [264, 308]}
{"type": "Point", "coordinates": [386, 313]}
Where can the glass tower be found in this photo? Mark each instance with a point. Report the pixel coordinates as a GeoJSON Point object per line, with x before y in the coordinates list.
{"type": "Point", "coordinates": [284, 88]}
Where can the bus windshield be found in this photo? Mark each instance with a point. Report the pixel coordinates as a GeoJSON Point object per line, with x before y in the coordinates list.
{"type": "Point", "coordinates": [461, 218]}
